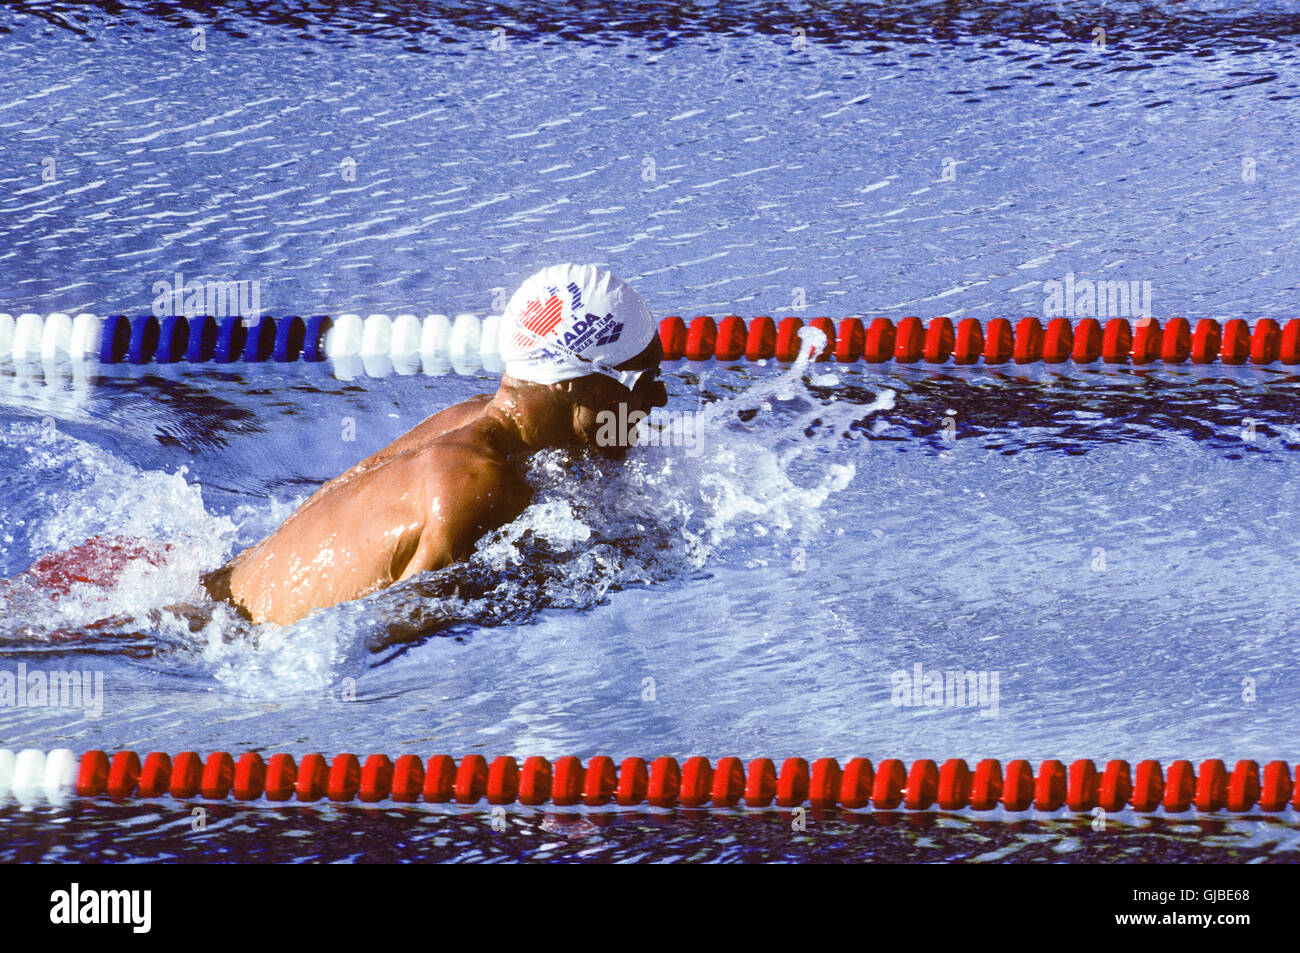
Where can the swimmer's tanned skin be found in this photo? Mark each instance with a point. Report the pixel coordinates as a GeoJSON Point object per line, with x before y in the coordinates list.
{"type": "Point", "coordinates": [423, 501]}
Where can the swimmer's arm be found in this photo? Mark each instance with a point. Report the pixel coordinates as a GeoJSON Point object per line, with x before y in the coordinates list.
{"type": "Point", "coordinates": [484, 498]}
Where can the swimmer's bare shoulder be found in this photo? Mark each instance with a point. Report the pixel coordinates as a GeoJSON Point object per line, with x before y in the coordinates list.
{"type": "Point", "coordinates": [475, 487]}
{"type": "Point", "coordinates": [419, 510]}
{"type": "Point", "coordinates": [432, 427]}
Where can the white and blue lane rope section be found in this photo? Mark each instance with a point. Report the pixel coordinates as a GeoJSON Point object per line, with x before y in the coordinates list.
{"type": "Point", "coordinates": [464, 342]}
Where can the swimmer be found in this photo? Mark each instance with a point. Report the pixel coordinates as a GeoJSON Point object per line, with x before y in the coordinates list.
{"type": "Point", "coordinates": [576, 341]}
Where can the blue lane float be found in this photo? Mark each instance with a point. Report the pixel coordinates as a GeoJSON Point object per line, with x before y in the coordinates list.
{"type": "Point", "coordinates": [115, 339]}
{"type": "Point", "coordinates": [259, 338]}
{"type": "Point", "coordinates": [144, 339]}
{"type": "Point", "coordinates": [230, 339]}
{"type": "Point", "coordinates": [290, 333]}
{"type": "Point", "coordinates": [173, 336]}
{"type": "Point", "coordinates": [313, 343]}
{"type": "Point", "coordinates": [202, 343]}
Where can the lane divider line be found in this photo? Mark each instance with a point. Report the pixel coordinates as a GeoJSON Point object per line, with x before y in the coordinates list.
{"type": "Point", "coordinates": [889, 785]}
{"type": "Point", "coordinates": [466, 341]}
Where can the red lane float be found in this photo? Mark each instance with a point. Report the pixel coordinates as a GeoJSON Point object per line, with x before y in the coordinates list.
{"type": "Point", "coordinates": [879, 344]}
{"type": "Point", "coordinates": [567, 781]}
{"type": "Point", "coordinates": [954, 785]}
{"type": "Point", "coordinates": [850, 341]}
{"type": "Point", "coordinates": [155, 776]}
{"type": "Point", "coordinates": [503, 781]}
{"type": "Point", "coordinates": [1205, 341]}
{"type": "Point", "coordinates": [701, 339]}
{"type": "Point", "coordinates": [728, 782]}
{"type": "Point", "coordinates": [787, 339]}
{"type": "Point", "coordinates": [672, 336]}
{"type": "Point", "coordinates": [827, 327]}
{"type": "Point", "coordinates": [282, 778]}
{"type": "Point", "coordinates": [1265, 342]}
{"type": "Point", "coordinates": [969, 344]}
{"type": "Point", "coordinates": [1058, 342]}
{"type": "Point", "coordinates": [1234, 347]}
{"type": "Point", "coordinates": [909, 341]}
{"type": "Point", "coordinates": [913, 341]}
{"type": "Point", "coordinates": [999, 342]}
{"type": "Point", "coordinates": [535, 782]}
{"type": "Point", "coordinates": [250, 777]}
{"type": "Point", "coordinates": [1049, 786]}
{"type": "Point", "coordinates": [1028, 347]}
{"type": "Point", "coordinates": [1289, 343]}
{"type": "Point", "coordinates": [1087, 341]}
{"type": "Point", "coordinates": [124, 774]}
{"type": "Point", "coordinates": [633, 780]}
{"type": "Point", "coordinates": [824, 785]}
{"type": "Point", "coordinates": [939, 341]}
{"type": "Point", "coordinates": [376, 778]}
{"type": "Point", "coordinates": [665, 782]}
{"type": "Point", "coordinates": [760, 340]}
{"type": "Point", "coordinates": [99, 562]}
{"type": "Point", "coordinates": [601, 780]}
{"type": "Point", "coordinates": [1018, 786]}
{"type": "Point", "coordinates": [856, 783]}
{"type": "Point", "coordinates": [1146, 341]}
{"type": "Point", "coordinates": [1116, 341]}
{"type": "Point", "coordinates": [218, 776]}
{"type": "Point", "coordinates": [1148, 786]}
{"type": "Point", "coordinates": [312, 777]}
{"type": "Point", "coordinates": [1080, 787]}
{"type": "Point", "coordinates": [731, 338]}
{"type": "Point", "coordinates": [1176, 342]}
{"type": "Point", "coordinates": [697, 782]}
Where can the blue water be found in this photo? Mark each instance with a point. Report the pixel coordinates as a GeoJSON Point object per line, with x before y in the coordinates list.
{"type": "Point", "coordinates": [828, 535]}
{"type": "Point", "coordinates": [773, 169]}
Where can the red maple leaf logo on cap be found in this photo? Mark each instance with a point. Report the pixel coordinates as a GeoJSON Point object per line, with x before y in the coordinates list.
{"type": "Point", "coordinates": [542, 317]}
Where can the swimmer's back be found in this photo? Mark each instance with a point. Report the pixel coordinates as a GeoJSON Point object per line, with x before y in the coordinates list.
{"type": "Point", "coordinates": [431, 428]}
{"type": "Point", "coordinates": [408, 511]}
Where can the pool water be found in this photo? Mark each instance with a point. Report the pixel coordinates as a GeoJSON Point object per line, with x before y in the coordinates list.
{"type": "Point", "coordinates": [769, 585]}
{"type": "Point", "coordinates": [1117, 545]}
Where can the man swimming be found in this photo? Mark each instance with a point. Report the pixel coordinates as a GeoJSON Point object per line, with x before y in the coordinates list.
{"type": "Point", "coordinates": [576, 340]}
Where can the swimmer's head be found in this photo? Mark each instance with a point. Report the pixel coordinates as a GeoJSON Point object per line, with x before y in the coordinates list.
{"type": "Point", "coordinates": [569, 321]}
{"type": "Point", "coordinates": [588, 333]}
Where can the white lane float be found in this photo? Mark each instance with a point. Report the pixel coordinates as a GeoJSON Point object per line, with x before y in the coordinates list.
{"type": "Point", "coordinates": [466, 338]}
{"type": "Point", "coordinates": [377, 336]}
{"type": "Point", "coordinates": [83, 344]}
{"type": "Point", "coordinates": [406, 337]}
{"type": "Point", "coordinates": [435, 337]}
{"type": "Point", "coordinates": [56, 340]}
{"type": "Point", "coordinates": [345, 336]}
{"type": "Point", "coordinates": [29, 776]}
{"type": "Point", "coordinates": [490, 344]}
{"type": "Point", "coordinates": [60, 775]}
{"type": "Point", "coordinates": [27, 337]}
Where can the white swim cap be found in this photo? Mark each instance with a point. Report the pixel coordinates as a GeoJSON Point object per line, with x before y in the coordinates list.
{"type": "Point", "coordinates": [569, 321]}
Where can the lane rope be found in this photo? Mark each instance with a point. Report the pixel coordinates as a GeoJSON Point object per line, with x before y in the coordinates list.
{"type": "Point", "coordinates": [467, 339]}
{"type": "Point", "coordinates": [889, 785]}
